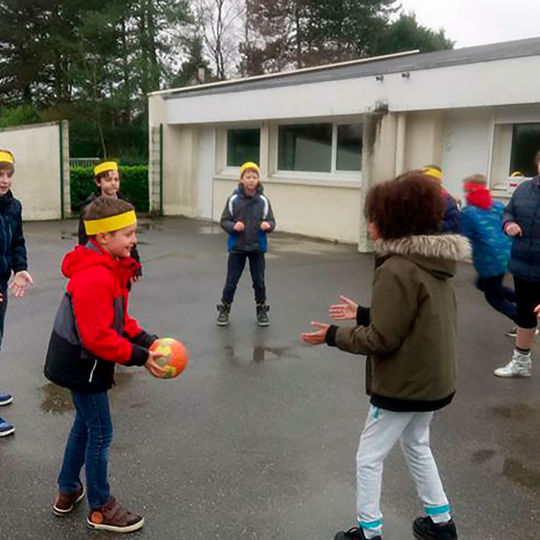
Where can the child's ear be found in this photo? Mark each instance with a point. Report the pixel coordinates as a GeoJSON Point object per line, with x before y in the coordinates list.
{"type": "Point", "coordinates": [103, 238]}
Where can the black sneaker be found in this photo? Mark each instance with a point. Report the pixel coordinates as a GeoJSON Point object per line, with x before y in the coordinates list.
{"type": "Point", "coordinates": [223, 317]}
{"type": "Point", "coordinates": [262, 315]}
{"type": "Point", "coordinates": [356, 533]}
{"type": "Point", "coordinates": [425, 529]}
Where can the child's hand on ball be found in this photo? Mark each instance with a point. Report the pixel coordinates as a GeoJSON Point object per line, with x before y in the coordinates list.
{"type": "Point", "coordinates": [152, 365]}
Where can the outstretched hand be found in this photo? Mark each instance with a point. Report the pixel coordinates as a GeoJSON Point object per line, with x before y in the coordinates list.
{"type": "Point", "coordinates": [21, 280]}
{"type": "Point", "coordinates": [345, 311]}
{"type": "Point", "coordinates": [318, 337]}
{"type": "Point", "coordinates": [152, 365]}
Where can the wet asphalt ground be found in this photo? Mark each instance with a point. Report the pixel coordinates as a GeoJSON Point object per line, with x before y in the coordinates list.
{"type": "Point", "coordinates": [257, 439]}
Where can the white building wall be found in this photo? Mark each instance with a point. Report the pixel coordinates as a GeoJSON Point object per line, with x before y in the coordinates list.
{"type": "Point", "coordinates": [323, 211]}
{"type": "Point", "coordinates": [37, 180]}
{"type": "Point", "coordinates": [467, 147]}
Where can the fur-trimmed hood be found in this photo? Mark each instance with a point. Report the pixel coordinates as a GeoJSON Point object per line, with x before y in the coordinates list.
{"type": "Point", "coordinates": [436, 253]}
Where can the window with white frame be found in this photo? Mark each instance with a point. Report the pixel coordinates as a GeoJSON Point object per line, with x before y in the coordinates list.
{"type": "Point", "coordinates": [243, 144]}
{"type": "Point", "coordinates": [525, 145]}
{"type": "Point", "coordinates": [320, 147]}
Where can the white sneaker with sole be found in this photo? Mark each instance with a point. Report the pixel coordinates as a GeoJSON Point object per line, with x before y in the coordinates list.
{"type": "Point", "coordinates": [519, 366]}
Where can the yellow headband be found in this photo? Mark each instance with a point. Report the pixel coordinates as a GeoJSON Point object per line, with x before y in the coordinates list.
{"type": "Point", "coordinates": [110, 224]}
{"type": "Point", "coordinates": [104, 167]}
{"type": "Point", "coordinates": [434, 173]}
{"type": "Point", "coordinates": [249, 165]}
{"type": "Point", "coordinates": [6, 157]}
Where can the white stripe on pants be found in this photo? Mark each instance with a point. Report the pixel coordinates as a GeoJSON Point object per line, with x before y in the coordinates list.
{"type": "Point", "coordinates": [382, 430]}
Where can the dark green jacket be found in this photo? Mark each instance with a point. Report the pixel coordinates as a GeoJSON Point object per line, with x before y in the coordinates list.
{"type": "Point", "coordinates": [411, 339]}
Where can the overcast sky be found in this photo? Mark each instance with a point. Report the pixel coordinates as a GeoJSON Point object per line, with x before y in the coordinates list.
{"type": "Point", "coordinates": [475, 22]}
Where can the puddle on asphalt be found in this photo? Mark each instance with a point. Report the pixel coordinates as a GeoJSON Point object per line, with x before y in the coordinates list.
{"type": "Point", "coordinates": [482, 456]}
{"type": "Point", "coordinates": [258, 354]}
{"type": "Point", "coordinates": [210, 229]}
{"type": "Point", "coordinates": [149, 226]}
{"type": "Point", "coordinates": [519, 412]}
{"type": "Point", "coordinates": [521, 474]}
{"type": "Point", "coordinates": [56, 400]}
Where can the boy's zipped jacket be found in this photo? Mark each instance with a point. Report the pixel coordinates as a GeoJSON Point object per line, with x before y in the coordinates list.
{"type": "Point", "coordinates": [83, 239]}
{"type": "Point", "coordinates": [410, 339]}
{"type": "Point", "coordinates": [12, 245]}
{"type": "Point", "coordinates": [524, 209]}
{"type": "Point", "coordinates": [252, 211]}
{"type": "Point", "coordinates": [93, 330]}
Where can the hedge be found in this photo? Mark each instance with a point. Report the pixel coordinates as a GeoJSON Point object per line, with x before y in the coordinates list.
{"type": "Point", "coordinates": [133, 184]}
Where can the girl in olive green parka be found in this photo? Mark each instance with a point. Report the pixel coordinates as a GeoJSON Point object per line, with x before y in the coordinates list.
{"type": "Point", "coordinates": [409, 338]}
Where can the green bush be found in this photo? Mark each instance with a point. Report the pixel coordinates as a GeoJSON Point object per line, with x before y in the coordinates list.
{"type": "Point", "coordinates": [133, 184]}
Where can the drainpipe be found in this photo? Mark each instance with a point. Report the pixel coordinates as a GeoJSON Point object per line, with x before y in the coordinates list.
{"type": "Point", "coordinates": [399, 164]}
{"type": "Point", "coordinates": [160, 169]}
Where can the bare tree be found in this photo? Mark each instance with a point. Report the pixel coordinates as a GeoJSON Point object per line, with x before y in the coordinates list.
{"type": "Point", "coordinates": [221, 23]}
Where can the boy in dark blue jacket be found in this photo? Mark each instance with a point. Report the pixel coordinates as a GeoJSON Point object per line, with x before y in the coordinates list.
{"type": "Point", "coordinates": [248, 218]}
{"type": "Point", "coordinates": [12, 256]}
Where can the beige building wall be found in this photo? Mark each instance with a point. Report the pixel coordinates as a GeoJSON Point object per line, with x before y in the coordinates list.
{"type": "Point", "coordinates": [41, 180]}
{"type": "Point", "coordinates": [425, 139]}
{"type": "Point", "coordinates": [319, 211]}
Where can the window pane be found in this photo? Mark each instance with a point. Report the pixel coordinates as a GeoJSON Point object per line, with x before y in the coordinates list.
{"type": "Point", "coordinates": [243, 145]}
{"type": "Point", "coordinates": [525, 144]}
{"type": "Point", "coordinates": [349, 147]}
{"type": "Point", "coordinates": [305, 147]}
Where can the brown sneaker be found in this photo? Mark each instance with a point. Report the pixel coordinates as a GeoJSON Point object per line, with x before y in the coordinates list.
{"type": "Point", "coordinates": [65, 502]}
{"type": "Point", "coordinates": [113, 517]}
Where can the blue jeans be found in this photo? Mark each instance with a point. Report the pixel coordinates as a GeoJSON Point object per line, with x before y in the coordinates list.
{"type": "Point", "coordinates": [88, 444]}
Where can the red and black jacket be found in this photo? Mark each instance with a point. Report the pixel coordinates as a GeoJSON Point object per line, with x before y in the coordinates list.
{"type": "Point", "coordinates": [93, 330]}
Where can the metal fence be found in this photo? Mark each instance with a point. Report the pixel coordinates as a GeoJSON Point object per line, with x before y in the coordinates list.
{"type": "Point", "coordinates": [83, 162]}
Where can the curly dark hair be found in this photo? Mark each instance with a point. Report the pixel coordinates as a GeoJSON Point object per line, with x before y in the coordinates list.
{"type": "Point", "coordinates": [411, 204]}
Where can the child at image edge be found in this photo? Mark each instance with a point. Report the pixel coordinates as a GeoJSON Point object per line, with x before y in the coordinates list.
{"type": "Point", "coordinates": [12, 256]}
{"type": "Point", "coordinates": [93, 331]}
{"type": "Point", "coordinates": [410, 341]}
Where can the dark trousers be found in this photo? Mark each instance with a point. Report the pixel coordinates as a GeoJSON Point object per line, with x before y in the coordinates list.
{"type": "Point", "coordinates": [499, 297]}
{"type": "Point", "coordinates": [527, 298]}
{"type": "Point", "coordinates": [88, 444]}
{"type": "Point", "coordinates": [235, 267]}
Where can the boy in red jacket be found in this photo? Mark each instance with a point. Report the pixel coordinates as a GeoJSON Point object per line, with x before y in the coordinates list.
{"type": "Point", "coordinates": [92, 332]}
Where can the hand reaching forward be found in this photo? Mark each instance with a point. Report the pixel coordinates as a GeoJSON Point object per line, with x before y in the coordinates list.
{"type": "Point", "coordinates": [21, 280]}
{"type": "Point", "coordinates": [152, 366]}
{"type": "Point", "coordinates": [345, 311]}
{"type": "Point", "coordinates": [318, 337]}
